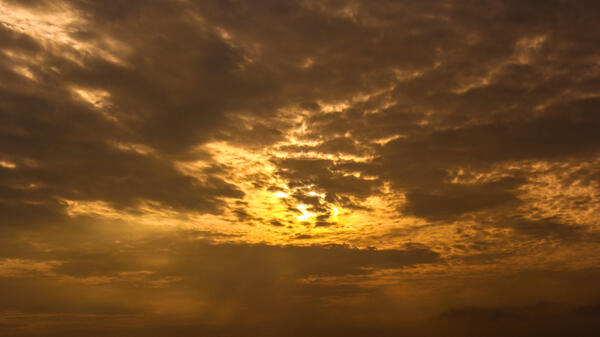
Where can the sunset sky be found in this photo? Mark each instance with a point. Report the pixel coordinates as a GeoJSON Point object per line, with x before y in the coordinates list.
{"type": "Point", "coordinates": [318, 168]}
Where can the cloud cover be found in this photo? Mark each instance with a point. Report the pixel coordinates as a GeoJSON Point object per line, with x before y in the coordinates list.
{"type": "Point", "coordinates": [299, 167]}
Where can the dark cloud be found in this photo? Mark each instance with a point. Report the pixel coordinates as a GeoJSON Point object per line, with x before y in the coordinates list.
{"type": "Point", "coordinates": [456, 199]}
{"type": "Point", "coordinates": [548, 227]}
{"type": "Point", "coordinates": [324, 176]}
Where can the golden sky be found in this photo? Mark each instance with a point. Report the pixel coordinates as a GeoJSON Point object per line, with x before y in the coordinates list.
{"type": "Point", "coordinates": [299, 168]}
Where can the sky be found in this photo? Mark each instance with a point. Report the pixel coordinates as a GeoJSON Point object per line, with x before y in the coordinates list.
{"type": "Point", "coordinates": [299, 168]}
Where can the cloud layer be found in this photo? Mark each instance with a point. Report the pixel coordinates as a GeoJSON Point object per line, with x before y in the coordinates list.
{"type": "Point", "coordinates": [299, 167]}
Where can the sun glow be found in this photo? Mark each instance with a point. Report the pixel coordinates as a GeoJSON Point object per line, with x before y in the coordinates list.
{"type": "Point", "coordinates": [305, 214]}
{"type": "Point", "coordinates": [335, 211]}
{"type": "Point", "coordinates": [315, 194]}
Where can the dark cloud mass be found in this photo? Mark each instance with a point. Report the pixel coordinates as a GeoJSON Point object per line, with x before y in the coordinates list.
{"type": "Point", "coordinates": [299, 168]}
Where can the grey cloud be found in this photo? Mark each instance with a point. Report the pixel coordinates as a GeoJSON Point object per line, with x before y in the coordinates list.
{"type": "Point", "coordinates": [323, 174]}
{"type": "Point", "coordinates": [455, 199]}
{"type": "Point", "coordinates": [553, 228]}
{"type": "Point", "coordinates": [65, 147]}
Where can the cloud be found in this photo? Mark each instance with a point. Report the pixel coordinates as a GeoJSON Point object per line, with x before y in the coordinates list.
{"type": "Point", "coordinates": [298, 168]}
{"type": "Point", "coordinates": [456, 199]}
